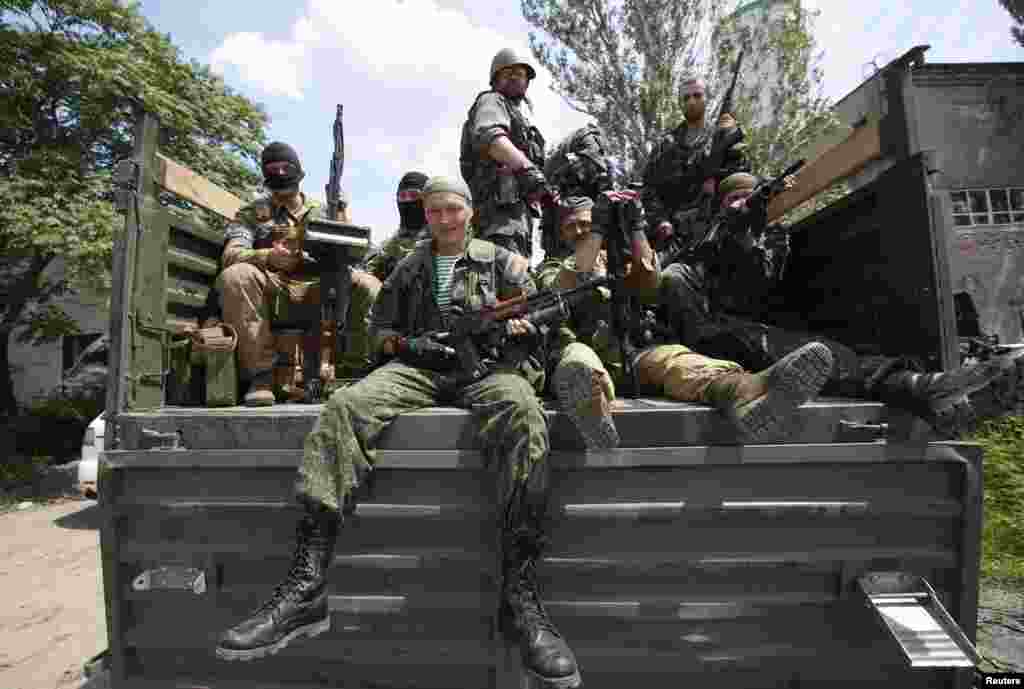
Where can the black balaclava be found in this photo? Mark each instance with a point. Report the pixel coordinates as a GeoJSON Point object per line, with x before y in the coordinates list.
{"type": "Point", "coordinates": [280, 166]}
{"type": "Point", "coordinates": [412, 213]}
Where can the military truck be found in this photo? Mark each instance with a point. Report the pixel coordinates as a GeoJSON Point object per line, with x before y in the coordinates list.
{"type": "Point", "coordinates": [847, 555]}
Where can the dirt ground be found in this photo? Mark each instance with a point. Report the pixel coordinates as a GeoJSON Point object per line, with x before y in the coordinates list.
{"type": "Point", "coordinates": [52, 622]}
{"type": "Point", "coordinates": [50, 568]}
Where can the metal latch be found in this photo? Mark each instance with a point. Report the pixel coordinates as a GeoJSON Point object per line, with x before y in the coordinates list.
{"type": "Point", "coordinates": [915, 618]}
{"type": "Point", "coordinates": [171, 578]}
{"type": "Point", "coordinates": [126, 183]}
{"type": "Point", "coordinates": [879, 429]}
{"type": "Point", "coordinates": [168, 441]}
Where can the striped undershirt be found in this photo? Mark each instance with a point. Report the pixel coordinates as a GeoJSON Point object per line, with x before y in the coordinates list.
{"type": "Point", "coordinates": [443, 267]}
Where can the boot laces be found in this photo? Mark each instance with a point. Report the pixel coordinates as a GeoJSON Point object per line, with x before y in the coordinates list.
{"type": "Point", "coordinates": [301, 570]}
{"type": "Point", "coordinates": [526, 601]}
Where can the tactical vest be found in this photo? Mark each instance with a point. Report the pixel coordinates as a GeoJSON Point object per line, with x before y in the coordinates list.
{"type": "Point", "coordinates": [478, 170]}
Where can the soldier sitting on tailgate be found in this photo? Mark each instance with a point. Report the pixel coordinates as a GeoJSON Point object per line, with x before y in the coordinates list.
{"type": "Point", "coordinates": [263, 272]}
{"type": "Point", "coordinates": [444, 275]}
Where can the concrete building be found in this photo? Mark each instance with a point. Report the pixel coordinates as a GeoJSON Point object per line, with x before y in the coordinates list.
{"type": "Point", "coordinates": [753, 20]}
{"type": "Point", "coordinates": [37, 370]}
{"type": "Point", "coordinates": [972, 116]}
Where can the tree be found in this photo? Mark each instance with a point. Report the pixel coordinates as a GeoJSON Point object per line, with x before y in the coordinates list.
{"type": "Point", "coordinates": [73, 71]}
{"type": "Point", "coordinates": [1016, 10]}
{"type": "Point", "coordinates": [624, 62]}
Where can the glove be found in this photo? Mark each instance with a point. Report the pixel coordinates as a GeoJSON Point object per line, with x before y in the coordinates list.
{"type": "Point", "coordinates": [533, 185]}
{"type": "Point", "coordinates": [426, 351]}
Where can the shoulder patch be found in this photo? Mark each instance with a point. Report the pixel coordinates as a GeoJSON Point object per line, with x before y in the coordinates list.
{"type": "Point", "coordinates": [481, 250]}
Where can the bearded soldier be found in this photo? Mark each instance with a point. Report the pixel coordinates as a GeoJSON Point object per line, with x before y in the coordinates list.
{"type": "Point", "coordinates": [412, 228]}
{"type": "Point", "coordinates": [501, 156]}
{"type": "Point", "coordinates": [672, 177]}
{"type": "Point", "coordinates": [704, 293]}
{"type": "Point", "coordinates": [587, 352]}
{"type": "Point", "coordinates": [263, 271]}
{"type": "Point", "coordinates": [449, 273]}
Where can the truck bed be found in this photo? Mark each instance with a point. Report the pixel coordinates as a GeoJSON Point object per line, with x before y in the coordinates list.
{"type": "Point", "coordinates": [677, 555]}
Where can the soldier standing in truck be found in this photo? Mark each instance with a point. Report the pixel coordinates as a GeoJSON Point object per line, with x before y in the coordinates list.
{"type": "Point", "coordinates": [450, 272]}
{"type": "Point", "coordinates": [671, 184]}
{"type": "Point", "coordinates": [262, 263]}
{"type": "Point", "coordinates": [501, 156]}
{"type": "Point", "coordinates": [703, 294]}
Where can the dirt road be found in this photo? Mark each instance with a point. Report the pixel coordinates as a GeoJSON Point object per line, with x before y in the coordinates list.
{"type": "Point", "coordinates": [53, 624]}
{"type": "Point", "coordinates": [52, 619]}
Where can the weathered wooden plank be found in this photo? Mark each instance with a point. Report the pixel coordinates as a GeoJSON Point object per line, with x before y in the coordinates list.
{"type": "Point", "coordinates": [178, 179]}
{"type": "Point", "coordinates": [194, 227]}
{"type": "Point", "coordinates": [189, 261]}
{"type": "Point", "coordinates": [863, 145]}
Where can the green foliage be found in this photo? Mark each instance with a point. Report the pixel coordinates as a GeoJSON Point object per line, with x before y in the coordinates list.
{"type": "Point", "coordinates": [624, 64]}
{"type": "Point", "coordinates": [1016, 10]}
{"type": "Point", "coordinates": [75, 74]}
{"type": "Point", "coordinates": [1003, 536]}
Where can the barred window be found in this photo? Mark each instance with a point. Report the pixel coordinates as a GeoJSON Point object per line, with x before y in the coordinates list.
{"type": "Point", "coordinates": [974, 207]}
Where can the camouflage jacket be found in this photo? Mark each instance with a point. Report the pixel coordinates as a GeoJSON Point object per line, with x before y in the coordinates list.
{"type": "Point", "coordinates": [493, 115]}
{"type": "Point", "coordinates": [591, 322]}
{"type": "Point", "coordinates": [248, 237]}
{"type": "Point", "coordinates": [394, 249]}
{"type": "Point", "coordinates": [484, 274]}
{"type": "Point", "coordinates": [670, 183]}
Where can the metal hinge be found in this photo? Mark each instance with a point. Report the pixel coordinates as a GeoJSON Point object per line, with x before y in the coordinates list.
{"type": "Point", "coordinates": [168, 441]}
{"type": "Point", "coordinates": [174, 577]}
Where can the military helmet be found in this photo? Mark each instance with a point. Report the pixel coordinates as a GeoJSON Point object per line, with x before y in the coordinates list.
{"type": "Point", "coordinates": [507, 57]}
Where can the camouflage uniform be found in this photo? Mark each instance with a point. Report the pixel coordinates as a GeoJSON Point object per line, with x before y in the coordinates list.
{"type": "Point", "coordinates": [252, 293]}
{"type": "Point", "coordinates": [339, 450]}
{"type": "Point", "coordinates": [670, 185]}
{"type": "Point", "coordinates": [394, 249]}
{"type": "Point", "coordinates": [503, 216]}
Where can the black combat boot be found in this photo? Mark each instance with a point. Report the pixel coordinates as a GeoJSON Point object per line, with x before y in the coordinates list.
{"type": "Point", "coordinates": [298, 605]}
{"type": "Point", "coordinates": [939, 398]}
{"type": "Point", "coordinates": [544, 652]}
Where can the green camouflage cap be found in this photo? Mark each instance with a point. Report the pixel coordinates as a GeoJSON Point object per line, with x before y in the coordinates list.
{"type": "Point", "coordinates": [735, 181]}
{"type": "Point", "coordinates": [441, 184]}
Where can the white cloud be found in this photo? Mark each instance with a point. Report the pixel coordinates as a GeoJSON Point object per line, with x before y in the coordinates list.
{"type": "Point", "coordinates": [276, 67]}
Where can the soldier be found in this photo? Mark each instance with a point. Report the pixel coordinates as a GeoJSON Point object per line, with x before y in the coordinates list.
{"type": "Point", "coordinates": [701, 294]}
{"type": "Point", "coordinates": [671, 186]}
{"type": "Point", "coordinates": [263, 271]}
{"type": "Point", "coordinates": [588, 355]}
{"type": "Point", "coordinates": [413, 227]}
{"type": "Point", "coordinates": [447, 273]}
{"type": "Point", "coordinates": [501, 156]}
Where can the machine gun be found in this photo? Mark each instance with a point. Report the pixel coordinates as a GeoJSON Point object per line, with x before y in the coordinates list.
{"type": "Point", "coordinates": [476, 333]}
{"type": "Point", "coordinates": [330, 248]}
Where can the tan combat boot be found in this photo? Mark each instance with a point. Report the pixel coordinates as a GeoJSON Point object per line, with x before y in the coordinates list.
{"type": "Point", "coordinates": [585, 392]}
{"type": "Point", "coordinates": [761, 405]}
{"type": "Point", "coordinates": [286, 360]}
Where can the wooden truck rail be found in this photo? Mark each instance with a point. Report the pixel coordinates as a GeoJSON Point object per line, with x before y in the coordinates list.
{"type": "Point", "coordinates": [678, 555]}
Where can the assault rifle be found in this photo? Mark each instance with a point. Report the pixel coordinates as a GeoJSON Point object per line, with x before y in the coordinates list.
{"type": "Point", "coordinates": [477, 333]}
{"type": "Point", "coordinates": [623, 220]}
{"type": "Point", "coordinates": [708, 245]}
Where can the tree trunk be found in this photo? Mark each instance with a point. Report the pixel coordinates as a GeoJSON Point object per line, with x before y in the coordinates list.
{"type": "Point", "coordinates": [8, 403]}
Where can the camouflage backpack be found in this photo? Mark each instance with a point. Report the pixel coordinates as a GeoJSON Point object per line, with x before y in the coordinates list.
{"type": "Point", "coordinates": [578, 166]}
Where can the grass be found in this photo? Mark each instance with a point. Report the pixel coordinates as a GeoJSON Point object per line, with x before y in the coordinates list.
{"type": "Point", "coordinates": [1003, 534]}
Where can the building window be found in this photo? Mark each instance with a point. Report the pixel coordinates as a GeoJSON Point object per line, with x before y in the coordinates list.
{"type": "Point", "coordinates": [980, 207]}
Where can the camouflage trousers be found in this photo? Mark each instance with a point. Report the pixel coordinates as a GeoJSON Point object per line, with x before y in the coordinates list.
{"type": "Point", "coordinates": [339, 452]}
{"type": "Point", "coordinates": [251, 297]}
{"type": "Point", "coordinates": [508, 226]}
{"type": "Point", "coordinates": [669, 370]}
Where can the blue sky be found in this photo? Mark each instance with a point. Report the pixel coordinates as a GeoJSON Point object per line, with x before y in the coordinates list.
{"type": "Point", "coordinates": [407, 70]}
